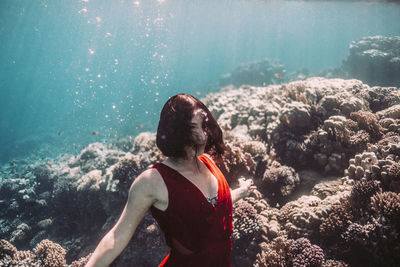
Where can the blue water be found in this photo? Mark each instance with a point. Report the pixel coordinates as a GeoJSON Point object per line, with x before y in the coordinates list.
{"type": "Point", "coordinates": [69, 68]}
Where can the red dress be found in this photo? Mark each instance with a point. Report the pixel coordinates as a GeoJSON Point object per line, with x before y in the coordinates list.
{"type": "Point", "coordinates": [198, 233]}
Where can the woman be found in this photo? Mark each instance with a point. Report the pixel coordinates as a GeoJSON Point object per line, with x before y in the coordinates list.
{"type": "Point", "coordinates": [186, 193]}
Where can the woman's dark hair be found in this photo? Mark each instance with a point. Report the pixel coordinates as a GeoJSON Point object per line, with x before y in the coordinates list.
{"type": "Point", "coordinates": [174, 133]}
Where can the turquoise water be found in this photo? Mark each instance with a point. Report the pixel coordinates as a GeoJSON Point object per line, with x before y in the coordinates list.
{"type": "Point", "coordinates": [70, 68]}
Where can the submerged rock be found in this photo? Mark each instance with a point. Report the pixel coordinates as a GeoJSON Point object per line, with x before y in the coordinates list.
{"type": "Point", "coordinates": [257, 73]}
{"type": "Point", "coordinates": [375, 60]}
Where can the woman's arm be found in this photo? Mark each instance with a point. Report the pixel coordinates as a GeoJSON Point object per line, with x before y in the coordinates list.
{"type": "Point", "coordinates": [244, 189]}
{"type": "Point", "coordinates": [140, 199]}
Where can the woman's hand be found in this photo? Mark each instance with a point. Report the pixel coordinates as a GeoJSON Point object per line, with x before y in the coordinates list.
{"type": "Point", "coordinates": [245, 188]}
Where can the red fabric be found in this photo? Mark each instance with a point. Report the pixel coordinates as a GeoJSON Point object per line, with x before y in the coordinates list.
{"type": "Point", "coordinates": [197, 233]}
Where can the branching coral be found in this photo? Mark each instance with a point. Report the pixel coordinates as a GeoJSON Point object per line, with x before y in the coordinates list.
{"type": "Point", "coordinates": [359, 234]}
{"type": "Point", "coordinates": [236, 163]}
{"type": "Point", "coordinates": [6, 249]}
{"type": "Point", "coordinates": [283, 252]}
{"type": "Point", "coordinates": [81, 262]}
{"type": "Point", "coordinates": [387, 204]}
{"type": "Point", "coordinates": [275, 253]}
{"type": "Point", "coordinates": [393, 177]}
{"type": "Point", "coordinates": [337, 220]}
{"type": "Point", "coordinates": [50, 254]}
{"type": "Point", "coordinates": [373, 242]}
{"type": "Point", "coordinates": [362, 192]}
{"type": "Point", "coordinates": [367, 121]}
{"type": "Point", "coordinates": [22, 255]}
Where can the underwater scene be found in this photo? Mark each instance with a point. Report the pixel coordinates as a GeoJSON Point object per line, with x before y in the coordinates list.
{"type": "Point", "coordinates": [306, 93]}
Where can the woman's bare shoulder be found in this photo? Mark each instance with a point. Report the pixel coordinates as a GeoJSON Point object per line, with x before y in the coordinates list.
{"type": "Point", "coordinates": [150, 176]}
{"type": "Point", "coordinates": [149, 182]}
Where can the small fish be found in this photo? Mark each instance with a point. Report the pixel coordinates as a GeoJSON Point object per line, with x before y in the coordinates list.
{"type": "Point", "coordinates": [198, 93]}
{"type": "Point", "coordinates": [13, 164]}
{"type": "Point", "coordinates": [141, 126]}
{"type": "Point", "coordinates": [287, 119]}
{"type": "Point", "coordinates": [95, 133]}
{"type": "Point", "coordinates": [48, 147]}
{"type": "Point", "coordinates": [50, 163]}
{"type": "Point", "coordinates": [60, 133]}
{"type": "Point", "coordinates": [277, 75]}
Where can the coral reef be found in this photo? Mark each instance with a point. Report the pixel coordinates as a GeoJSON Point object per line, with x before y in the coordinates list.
{"type": "Point", "coordinates": [246, 233]}
{"type": "Point", "coordinates": [387, 204]}
{"type": "Point", "coordinates": [127, 169]}
{"type": "Point", "coordinates": [274, 253]}
{"type": "Point", "coordinates": [361, 193]}
{"type": "Point", "coordinates": [287, 252]}
{"type": "Point", "coordinates": [375, 60]}
{"type": "Point", "coordinates": [81, 262]}
{"type": "Point", "coordinates": [236, 163]}
{"type": "Point", "coordinates": [50, 254]}
{"type": "Point", "coordinates": [278, 182]}
{"type": "Point", "coordinates": [303, 217]}
{"type": "Point", "coordinates": [337, 220]}
{"type": "Point", "coordinates": [258, 73]}
{"type": "Point", "coordinates": [245, 221]}
{"type": "Point", "coordinates": [367, 121]}
{"type": "Point", "coordinates": [6, 249]}
{"type": "Point", "coordinates": [303, 253]}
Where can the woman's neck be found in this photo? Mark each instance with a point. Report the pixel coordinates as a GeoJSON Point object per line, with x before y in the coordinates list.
{"type": "Point", "coordinates": [187, 163]}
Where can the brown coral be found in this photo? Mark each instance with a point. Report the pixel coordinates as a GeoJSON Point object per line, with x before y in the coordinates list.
{"type": "Point", "coordinates": [367, 121]}
{"type": "Point", "coordinates": [312, 256]}
{"type": "Point", "coordinates": [303, 253]}
{"type": "Point", "coordinates": [6, 249]}
{"type": "Point", "coordinates": [362, 192]}
{"type": "Point", "coordinates": [236, 163]}
{"type": "Point", "coordinates": [22, 255]}
{"type": "Point", "coordinates": [245, 221]}
{"type": "Point", "coordinates": [338, 219]}
{"type": "Point", "coordinates": [81, 262]}
{"type": "Point", "coordinates": [50, 254]}
{"type": "Point", "coordinates": [393, 177]}
{"type": "Point", "coordinates": [387, 204]}
{"type": "Point", "coordinates": [359, 234]}
{"type": "Point", "coordinates": [275, 253]}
